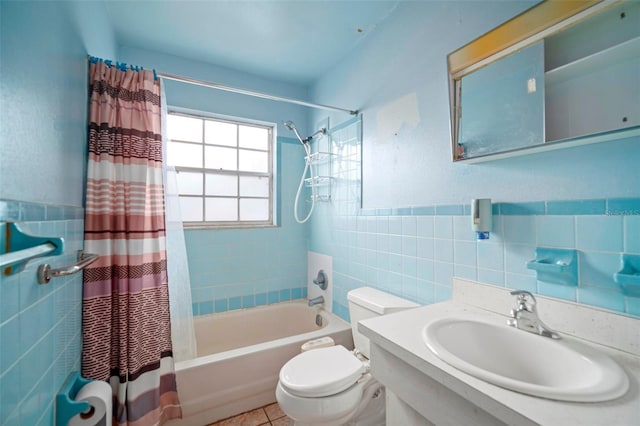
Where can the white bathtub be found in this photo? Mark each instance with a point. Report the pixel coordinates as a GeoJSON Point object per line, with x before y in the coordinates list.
{"type": "Point", "coordinates": [240, 354]}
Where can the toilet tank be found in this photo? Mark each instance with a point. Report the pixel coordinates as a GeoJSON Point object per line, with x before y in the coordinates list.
{"type": "Point", "coordinates": [367, 302]}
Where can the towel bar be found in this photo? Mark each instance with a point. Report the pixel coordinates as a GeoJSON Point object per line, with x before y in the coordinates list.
{"type": "Point", "coordinates": [18, 248]}
{"type": "Point", "coordinates": [24, 255]}
{"type": "Point", "coordinates": [45, 272]}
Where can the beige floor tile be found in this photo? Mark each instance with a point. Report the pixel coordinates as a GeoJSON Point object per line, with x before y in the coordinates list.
{"type": "Point", "coordinates": [283, 421]}
{"type": "Point", "coordinates": [252, 418]}
{"type": "Point", "coordinates": [274, 411]}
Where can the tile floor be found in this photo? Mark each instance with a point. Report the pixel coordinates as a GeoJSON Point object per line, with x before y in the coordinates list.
{"type": "Point", "coordinates": [267, 415]}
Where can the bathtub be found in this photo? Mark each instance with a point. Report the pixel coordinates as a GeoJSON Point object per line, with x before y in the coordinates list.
{"type": "Point", "coordinates": [240, 354]}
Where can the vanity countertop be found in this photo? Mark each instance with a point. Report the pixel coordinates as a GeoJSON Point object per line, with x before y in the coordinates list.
{"type": "Point", "coordinates": [401, 335]}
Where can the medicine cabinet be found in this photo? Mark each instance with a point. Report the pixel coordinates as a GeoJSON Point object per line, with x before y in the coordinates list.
{"type": "Point", "coordinates": [558, 75]}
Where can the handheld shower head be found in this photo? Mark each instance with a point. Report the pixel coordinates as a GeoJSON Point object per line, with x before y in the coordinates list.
{"type": "Point", "coordinates": [289, 125]}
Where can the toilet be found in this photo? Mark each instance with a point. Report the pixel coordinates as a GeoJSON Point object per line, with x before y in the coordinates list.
{"type": "Point", "coordinates": [332, 385]}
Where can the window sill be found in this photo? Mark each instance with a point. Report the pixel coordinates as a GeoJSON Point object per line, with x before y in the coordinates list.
{"type": "Point", "coordinates": [218, 226]}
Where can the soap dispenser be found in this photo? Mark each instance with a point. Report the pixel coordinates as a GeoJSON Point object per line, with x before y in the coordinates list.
{"type": "Point", "coordinates": [481, 217]}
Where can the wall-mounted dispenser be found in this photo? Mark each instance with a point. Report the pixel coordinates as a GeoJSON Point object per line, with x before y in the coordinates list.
{"type": "Point", "coordinates": [481, 217]}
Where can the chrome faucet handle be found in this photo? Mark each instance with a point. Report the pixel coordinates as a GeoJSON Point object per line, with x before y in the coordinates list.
{"type": "Point", "coordinates": [321, 280]}
{"type": "Point", "coordinates": [525, 317]}
{"type": "Point", "coordinates": [523, 297]}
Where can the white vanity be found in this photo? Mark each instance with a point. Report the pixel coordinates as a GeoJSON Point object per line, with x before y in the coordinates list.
{"type": "Point", "coordinates": [422, 389]}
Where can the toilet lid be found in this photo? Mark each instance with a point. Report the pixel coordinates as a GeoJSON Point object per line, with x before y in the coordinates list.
{"type": "Point", "coordinates": [321, 372]}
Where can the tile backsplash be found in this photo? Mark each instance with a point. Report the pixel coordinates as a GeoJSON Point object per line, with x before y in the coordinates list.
{"type": "Point", "coordinates": [415, 252]}
{"type": "Point", "coordinates": [40, 325]}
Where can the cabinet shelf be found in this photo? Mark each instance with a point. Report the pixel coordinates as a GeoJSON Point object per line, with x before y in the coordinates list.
{"type": "Point", "coordinates": [626, 51]}
{"type": "Point", "coordinates": [554, 145]}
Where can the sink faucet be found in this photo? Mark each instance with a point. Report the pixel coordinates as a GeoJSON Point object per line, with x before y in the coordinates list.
{"type": "Point", "coordinates": [525, 316]}
{"type": "Point", "coordinates": [316, 301]}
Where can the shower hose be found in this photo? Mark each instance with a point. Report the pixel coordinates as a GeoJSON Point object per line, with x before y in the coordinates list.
{"type": "Point", "coordinates": [307, 167]}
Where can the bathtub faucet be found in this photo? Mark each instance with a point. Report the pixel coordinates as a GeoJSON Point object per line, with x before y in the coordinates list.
{"type": "Point", "coordinates": [316, 301]}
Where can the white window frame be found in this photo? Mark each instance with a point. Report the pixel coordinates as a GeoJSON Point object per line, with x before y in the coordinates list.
{"type": "Point", "coordinates": [270, 174]}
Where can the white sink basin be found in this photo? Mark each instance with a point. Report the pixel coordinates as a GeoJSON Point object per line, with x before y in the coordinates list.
{"type": "Point", "coordinates": [525, 362]}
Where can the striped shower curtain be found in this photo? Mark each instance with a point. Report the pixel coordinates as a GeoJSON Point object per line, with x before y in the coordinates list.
{"type": "Point", "coordinates": [126, 331]}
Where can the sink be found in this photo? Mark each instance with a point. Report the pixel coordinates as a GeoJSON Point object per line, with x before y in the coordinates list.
{"type": "Point", "coordinates": [524, 362]}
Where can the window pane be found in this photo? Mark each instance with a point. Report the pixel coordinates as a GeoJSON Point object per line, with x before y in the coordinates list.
{"type": "Point", "coordinates": [184, 154]}
{"type": "Point", "coordinates": [254, 137]}
{"type": "Point", "coordinates": [254, 209]}
{"type": "Point", "coordinates": [184, 128]}
{"type": "Point", "coordinates": [171, 183]}
{"type": "Point", "coordinates": [221, 184]}
{"type": "Point", "coordinates": [222, 166]}
{"type": "Point", "coordinates": [190, 183]}
{"type": "Point", "coordinates": [254, 186]}
{"type": "Point", "coordinates": [191, 208]}
{"type": "Point", "coordinates": [221, 209]}
{"type": "Point", "coordinates": [254, 161]}
{"type": "Point", "coordinates": [220, 133]}
{"type": "Point", "coordinates": [220, 158]}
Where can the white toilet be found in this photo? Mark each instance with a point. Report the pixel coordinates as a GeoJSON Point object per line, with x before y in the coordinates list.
{"type": "Point", "coordinates": [333, 386]}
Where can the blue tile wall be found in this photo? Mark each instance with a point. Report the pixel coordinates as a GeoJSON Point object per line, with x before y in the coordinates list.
{"type": "Point", "coordinates": [404, 257]}
{"type": "Point", "coordinates": [631, 232]}
{"type": "Point", "coordinates": [412, 251]}
{"type": "Point", "coordinates": [415, 252]}
{"type": "Point", "coordinates": [246, 267]}
{"type": "Point", "coordinates": [40, 325]}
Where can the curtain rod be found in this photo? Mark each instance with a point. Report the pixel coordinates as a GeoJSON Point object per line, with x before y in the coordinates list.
{"type": "Point", "coordinates": [251, 93]}
{"type": "Point", "coordinates": [234, 89]}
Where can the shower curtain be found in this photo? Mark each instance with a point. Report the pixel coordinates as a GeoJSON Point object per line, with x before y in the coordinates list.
{"type": "Point", "coordinates": [126, 333]}
{"type": "Point", "coordinates": [182, 332]}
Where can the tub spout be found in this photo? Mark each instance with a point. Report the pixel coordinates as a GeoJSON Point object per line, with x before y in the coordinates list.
{"type": "Point", "coordinates": [316, 301]}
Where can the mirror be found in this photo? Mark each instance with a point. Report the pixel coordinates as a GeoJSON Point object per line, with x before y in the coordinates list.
{"type": "Point", "coordinates": [560, 74]}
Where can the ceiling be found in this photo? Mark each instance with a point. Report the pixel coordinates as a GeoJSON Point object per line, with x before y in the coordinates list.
{"type": "Point", "coordinates": [294, 41]}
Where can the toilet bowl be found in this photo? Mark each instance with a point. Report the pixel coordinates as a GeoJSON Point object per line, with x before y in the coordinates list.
{"type": "Point", "coordinates": [332, 385]}
{"type": "Point", "coordinates": [326, 386]}
{"type": "Point", "coordinates": [336, 410]}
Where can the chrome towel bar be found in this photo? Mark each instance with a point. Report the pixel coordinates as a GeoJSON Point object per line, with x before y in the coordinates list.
{"type": "Point", "coordinates": [45, 272]}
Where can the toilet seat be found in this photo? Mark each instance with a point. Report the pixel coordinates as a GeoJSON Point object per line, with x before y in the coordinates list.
{"type": "Point", "coordinates": [321, 372]}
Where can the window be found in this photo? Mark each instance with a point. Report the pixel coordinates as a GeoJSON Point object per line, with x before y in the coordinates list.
{"type": "Point", "coordinates": [225, 172]}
